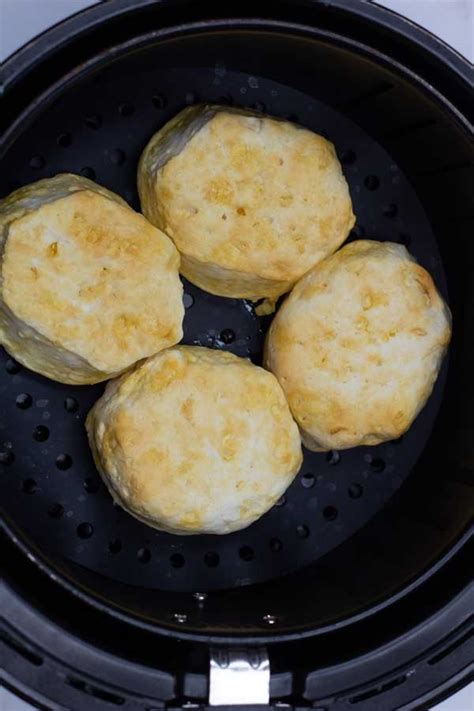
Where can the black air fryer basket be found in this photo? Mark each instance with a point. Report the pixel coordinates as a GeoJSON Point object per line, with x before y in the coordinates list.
{"type": "Point", "coordinates": [355, 589]}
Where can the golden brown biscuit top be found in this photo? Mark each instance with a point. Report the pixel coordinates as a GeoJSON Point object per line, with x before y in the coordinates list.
{"type": "Point", "coordinates": [358, 342]}
{"type": "Point", "coordinates": [255, 194]}
{"type": "Point", "coordinates": [91, 274]}
{"type": "Point", "coordinates": [196, 439]}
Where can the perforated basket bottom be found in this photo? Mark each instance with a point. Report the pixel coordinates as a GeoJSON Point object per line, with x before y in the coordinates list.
{"type": "Point", "coordinates": [49, 485]}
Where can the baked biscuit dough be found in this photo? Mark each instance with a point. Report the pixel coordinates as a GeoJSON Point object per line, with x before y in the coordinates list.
{"type": "Point", "coordinates": [87, 285]}
{"type": "Point", "coordinates": [358, 344]}
{"type": "Point", "coordinates": [195, 440]}
{"type": "Point", "coordinates": [251, 202]}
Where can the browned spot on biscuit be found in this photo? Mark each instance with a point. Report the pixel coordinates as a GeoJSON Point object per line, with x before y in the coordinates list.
{"type": "Point", "coordinates": [337, 430]}
{"type": "Point", "coordinates": [228, 447]}
{"type": "Point", "coordinates": [190, 520]}
{"type": "Point", "coordinates": [219, 190]}
{"type": "Point", "coordinates": [367, 302]}
{"type": "Point", "coordinates": [362, 324]}
{"type": "Point", "coordinates": [375, 359]}
{"type": "Point", "coordinates": [187, 408]}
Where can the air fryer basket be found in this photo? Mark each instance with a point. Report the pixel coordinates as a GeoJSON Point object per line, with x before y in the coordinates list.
{"type": "Point", "coordinates": [358, 530]}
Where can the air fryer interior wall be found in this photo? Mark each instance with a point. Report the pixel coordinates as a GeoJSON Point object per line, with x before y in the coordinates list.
{"type": "Point", "coordinates": [356, 529]}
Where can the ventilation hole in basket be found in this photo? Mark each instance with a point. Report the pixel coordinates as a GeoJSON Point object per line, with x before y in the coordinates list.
{"type": "Point", "coordinates": [348, 157]}
{"type": "Point", "coordinates": [64, 140]}
{"type": "Point", "coordinates": [37, 162]}
{"type": "Point", "coordinates": [24, 401]}
{"type": "Point", "coordinates": [246, 553]}
{"type": "Point", "coordinates": [117, 156]}
{"type": "Point", "coordinates": [302, 531]}
{"type": "Point", "coordinates": [372, 182]}
{"type": "Point", "coordinates": [88, 172]}
{"type": "Point", "coordinates": [330, 513]}
{"type": "Point", "coordinates": [12, 367]}
{"type": "Point", "coordinates": [63, 461]}
{"type": "Point", "coordinates": [188, 301]}
{"type": "Point", "coordinates": [269, 619]}
{"type": "Point", "coordinates": [158, 101]}
{"type": "Point", "coordinates": [227, 335]}
{"type": "Point", "coordinates": [94, 121]}
{"type": "Point", "coordinates": [115, 546]}
{"type": "Point", "coordinates": [404, 239]}
{"type": "Point", "coordinates": [177, 560]}
{"type": "Point", "coordinates": [308, 480]}
{"type": "Point", "coordinates": [85, 530]}
{"type": "Point", "coordinates": [41, 433]}
{"type": "Point", "coordinates": [281, 501]}
{"type": "Point", "coordinates": [71, 404]}
{"type": "Point", "coordinates": [211, 559]}
{"type": "Point", "coordinates": [355, 491]}
{"type": "Point", "coordinates": [390, 210]}
{"type": "Point", "coordinates": [259, 106]}
{"type": "Point", "coordinates": [276, 545]}
{"type": "Point", "coordinates": [333, 457]}
{"type": "Point", "coordinates": [91, 485]}
{"type": "Point", "coordinates": [126, 108]}
{"type": "Point", "coordinates": [144, 555]}
{"type": "Point", "coordinates": [377, 464]}
{"type": "Point", "coordinates": [29, 486]}
{"type": "Point", "coordinates": [55, 511]}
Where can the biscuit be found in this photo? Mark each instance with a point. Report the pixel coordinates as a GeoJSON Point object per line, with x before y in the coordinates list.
{"type": "Point", "coordinates": [358, 344]}
{"type": "Point", "coordinates": [87, 285]}
{"type": "Point", "coordinates": [195, 440]}
{"type": "Point", "coordinates": [251, 202]}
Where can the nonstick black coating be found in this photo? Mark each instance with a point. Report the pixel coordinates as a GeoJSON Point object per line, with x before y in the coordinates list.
{"type": "Point", "coordinates": [50, 487]}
